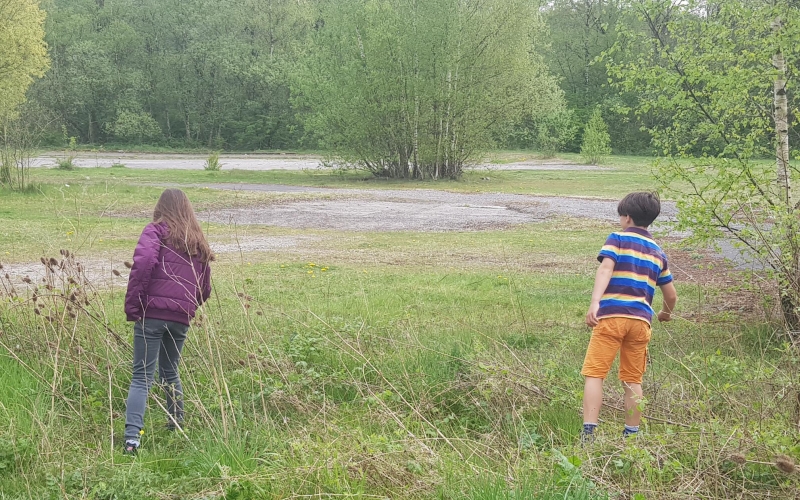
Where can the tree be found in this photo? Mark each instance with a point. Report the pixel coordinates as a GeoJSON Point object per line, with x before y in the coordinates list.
{"type": "Point", "coordinates": [723, 79]}
{"type": "Point", "coordinates": [23, 53]}
{"type": "Point", "coordinates": [23, 57]}
{"type": "Point", "coordinates": [413, 89]}
{"type": "Point", "coordinates": [596, 141]}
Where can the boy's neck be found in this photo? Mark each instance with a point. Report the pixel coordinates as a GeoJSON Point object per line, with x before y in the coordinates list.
{"type": "Point", "coordinates": [640, 228]}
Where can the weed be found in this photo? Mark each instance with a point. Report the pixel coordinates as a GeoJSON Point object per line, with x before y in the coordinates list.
{"type": "Point", "coordinates": [212, 163]}
{"type": "Point", "coordinates": [66, 163]}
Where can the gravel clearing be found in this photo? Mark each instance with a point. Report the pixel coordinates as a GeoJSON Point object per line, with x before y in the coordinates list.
{"type": "Point", "coordinates": [249, 162]}
{"type": "Point", "coordinates": [411, 210]}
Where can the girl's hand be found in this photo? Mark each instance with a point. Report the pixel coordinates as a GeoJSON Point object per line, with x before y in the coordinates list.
{"type": "Point", "coordinates": [664, 316]}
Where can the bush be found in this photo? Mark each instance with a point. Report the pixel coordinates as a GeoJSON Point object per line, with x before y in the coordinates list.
{"type": "Point", "coordinates": [596, 141]}
{"type": "Point", "coordinates": [134, 127]}
{"type": "Point", "coordinates": [66, 163]}
{"type": "Point", "coordinates": [555, 131]}
{"type": "Point", "coordinates": [212, 162]}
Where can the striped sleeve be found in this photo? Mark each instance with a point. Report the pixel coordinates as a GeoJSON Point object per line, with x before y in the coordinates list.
{"type": "Point", "coordinates": [666, 275]}
{"type": "Point", "coordinates": [611, 248]}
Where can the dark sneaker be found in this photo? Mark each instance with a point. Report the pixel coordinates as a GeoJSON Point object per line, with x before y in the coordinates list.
{"type": "Point", "coordinates": [172, 425]}
{"type": "Point", "coordinates": [130, 448]}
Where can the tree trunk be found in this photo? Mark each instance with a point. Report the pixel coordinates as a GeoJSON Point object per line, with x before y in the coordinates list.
{"type": "Point", "coordinates": [789, 288]}
{"type": "Point", "coordinates": [781, 125]}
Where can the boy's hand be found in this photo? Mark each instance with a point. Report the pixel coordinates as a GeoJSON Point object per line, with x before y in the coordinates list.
{"type": "Point", "coordinates": [591, 315]}
{"type": "Point", "coordinates": [664, 316]}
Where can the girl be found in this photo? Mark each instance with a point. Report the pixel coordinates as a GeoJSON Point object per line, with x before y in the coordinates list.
{"type": "Point", "coordinates": [169, 279]}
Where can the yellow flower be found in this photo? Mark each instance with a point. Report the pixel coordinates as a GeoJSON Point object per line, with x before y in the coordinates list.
{"type": "Point", "coordinates": [141, 432]}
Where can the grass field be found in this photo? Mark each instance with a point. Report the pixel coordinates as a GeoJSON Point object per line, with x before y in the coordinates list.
{"type": "Point", "coordinates": [378, 365]}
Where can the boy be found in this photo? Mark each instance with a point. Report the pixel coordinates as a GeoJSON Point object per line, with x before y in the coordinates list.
{"type": "Point", "coordinates": [631, 266]}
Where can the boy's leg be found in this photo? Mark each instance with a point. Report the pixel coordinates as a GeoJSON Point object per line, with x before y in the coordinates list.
{"type": "Point", "coordinates": [633, 398]}
{"type": "Point", "coordinates": [632, 365]}
{"type": "Point", "coordinates": [603, 347]}
{"type": "Point", "coordinates": [592, 399]}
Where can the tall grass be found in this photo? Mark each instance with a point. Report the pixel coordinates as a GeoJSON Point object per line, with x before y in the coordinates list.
{"type": "Point", "coordinates": [304, 382]}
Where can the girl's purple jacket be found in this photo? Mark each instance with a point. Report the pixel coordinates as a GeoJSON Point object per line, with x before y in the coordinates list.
{"type": "Point", "coordinates": [165, 283]}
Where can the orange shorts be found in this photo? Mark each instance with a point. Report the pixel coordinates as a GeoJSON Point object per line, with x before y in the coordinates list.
{"type": "Point", "coordinates": [627, 336]}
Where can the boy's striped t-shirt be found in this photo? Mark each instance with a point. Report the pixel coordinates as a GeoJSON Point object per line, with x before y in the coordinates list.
{"type": "Point", "coordinates": [639, 267]}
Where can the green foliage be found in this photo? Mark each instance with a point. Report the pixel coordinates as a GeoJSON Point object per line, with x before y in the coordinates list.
{"type": "Point", "coordinates": [554, 132]}
{"type": "Point", "coordinates": [23, 53]}
{"type": "Point", "coordinates": [596, 141]}
{"type": "Point", "coordinates": [66, 163]}
{"type": "Point", "coordinates": [710, 81]}
{"type": "Point", "coordinates": [419, 89]}
{"type": "Point", "coordinates": [212, 163]}
{"type": "Point", "coordinates": [134, 127]}
{"type": "Point", "coordinates": [209, 72]}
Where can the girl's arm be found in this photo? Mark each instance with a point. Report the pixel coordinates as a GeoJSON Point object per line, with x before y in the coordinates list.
{"type": "Point", "coordinates": [144, 260]}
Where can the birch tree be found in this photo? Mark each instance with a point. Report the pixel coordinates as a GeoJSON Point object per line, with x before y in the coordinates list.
{"type": "Point", "coordinates": [723, 81]}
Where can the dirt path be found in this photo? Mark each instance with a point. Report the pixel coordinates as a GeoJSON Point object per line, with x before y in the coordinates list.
{"type": "Point", "coordinates": [249, 162]}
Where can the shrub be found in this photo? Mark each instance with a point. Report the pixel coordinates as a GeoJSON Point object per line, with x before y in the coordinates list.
{"type": "Point", "coordinates": [596, 141]}
{"type": "Point", "coordinates": [553, 132]}
{"type": "Point", "coordinates": [134, 127]}
{"type": "Point", "coordinates": [66, 163]}
{"type": "Point", "coordinates": [212, 162]}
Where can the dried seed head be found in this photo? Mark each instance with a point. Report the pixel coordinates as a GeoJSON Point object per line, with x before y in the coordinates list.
{"type": "Point", "coordinates": [785, 464]}
{"type": "Point", "coordinates": [738, 458]}
{"type": "Point", "coordinates": [1, 266]}
{"type": "Point", "coordinates": [53, 261]}
{"type": "Point", "coordinates": [49, 287]}
{"type": "Point", "coordinates": [86, 301]}
{"type": "Point", "coordinates": [115, 272]}
{"type": "Point", "coordinates": [240, 295]}
{"type": "Point", "coordinates": [247, 306]}
{"type": "Point", "coordinates": [8, 277]}
{"type": "Point", "coordinates": [62, 252]}
{"type": "Point", "coordinates": [259, 313]}
{"type": "Point", "coordinates": [128, 264]}
{"type": "Point", "coordinates": [72, 297]}
{"type": "Point", "coordinates": [72, 281]}
{"type": "Point", "coordinates": [251, 356]}
{"type": "Point", "coordinates": [66, 253]}
{"type": "Point", "coordinates": [43, 260]}
{"type": "Point", "coordinates": [72, 315]}
{"type": "Point", "coordinates": [36, 311]}
{"type": "Point", "coordinates": [26, 279]}
{"type": "Point", "coordinates": [241, 362]}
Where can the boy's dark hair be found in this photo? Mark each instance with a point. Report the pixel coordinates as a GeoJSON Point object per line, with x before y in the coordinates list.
{"type": "Point", "coordinates": [643, 207]}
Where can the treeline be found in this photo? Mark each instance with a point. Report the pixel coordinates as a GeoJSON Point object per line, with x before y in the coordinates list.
{"type": "Point", "coordinates": [247, 74]}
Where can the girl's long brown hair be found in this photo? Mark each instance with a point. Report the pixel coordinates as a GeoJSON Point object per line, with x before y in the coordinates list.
{"type": "Point", "coordinates": [176, 211]}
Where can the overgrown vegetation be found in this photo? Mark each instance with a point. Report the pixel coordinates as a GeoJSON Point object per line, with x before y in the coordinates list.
{"type": "Point", "coordinates": [318, 371]}
{"type": "Point", "coordinates": [725, 83]}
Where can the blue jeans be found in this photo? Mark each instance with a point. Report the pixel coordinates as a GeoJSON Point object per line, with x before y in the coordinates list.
{"type": "Point", "coordinates": [161, 341]}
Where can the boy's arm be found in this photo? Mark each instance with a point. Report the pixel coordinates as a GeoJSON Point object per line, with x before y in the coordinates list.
{"type": "Point", "coordinates": [670, 299]}
{"type": "Point", "coordinates": [601, 280]}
